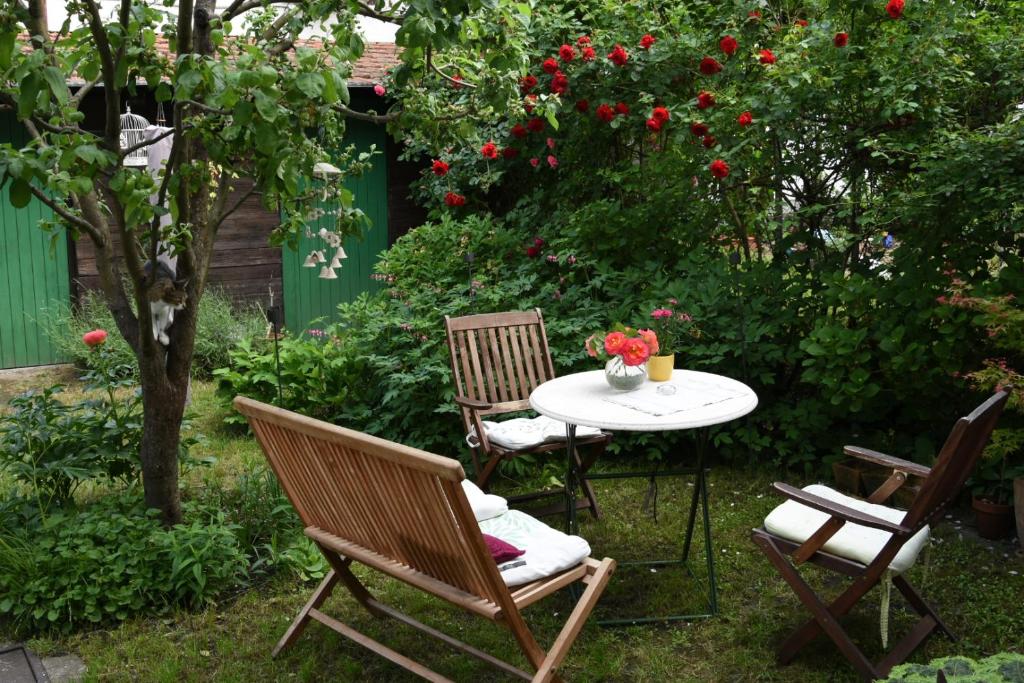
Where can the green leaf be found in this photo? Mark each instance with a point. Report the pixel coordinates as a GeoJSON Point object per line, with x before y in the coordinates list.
{"type": "Point", "coordinates": [27, 97]}
{"type": "Point", "coordinates": [58, 86]}
{"type": "Point", "coordinates": [20, 194]}
{"type": "Point", "coordinates": [7, 39]}
{"type": "Point", "coordinates": [266, 106]}
{"type": "Point", "coordinates": [311, 84]}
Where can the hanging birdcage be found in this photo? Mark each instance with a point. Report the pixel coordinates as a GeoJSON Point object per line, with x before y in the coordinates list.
{"type": "Point", "coordinates": [132, 127]}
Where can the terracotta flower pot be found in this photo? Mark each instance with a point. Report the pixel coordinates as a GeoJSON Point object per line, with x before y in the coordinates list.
{"type": "Point", "coordinates": [994, 520]}
{"type": "Point", "coordinates": [659, 368]}
{"type": "Point", "coordinates": [1018, 505]}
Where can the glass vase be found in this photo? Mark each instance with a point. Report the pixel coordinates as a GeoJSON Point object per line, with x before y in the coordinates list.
{"type": "Point", "coordinates": [622, 377]}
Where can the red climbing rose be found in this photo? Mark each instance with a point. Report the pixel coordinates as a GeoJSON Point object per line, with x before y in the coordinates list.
{"type": "Point", "coordinates": [709, 66]}
{"type": "Point", "coordinates": [728, 45]}
{"type": "Point", "coordinates": [618, 55]}
{"type": "Point", "coordinates": [439, 168]}
{"type": "Point", "coordinates": [767, 57]}
{"type": "Point", "coordinates": [719, 169]}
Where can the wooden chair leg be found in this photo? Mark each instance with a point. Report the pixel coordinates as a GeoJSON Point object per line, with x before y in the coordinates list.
{"type": "Point", "coordinates": [584, 464]}
{"type": "Point", "coordinates": [824, 616]}
{"type": "Point", "coordinates": [484, 477]}
{"type": "Point", "coordinates": [322, 592]}
{"type": "Point", "coordinates": [573, 626]}
{"type": "Point", "coordinates": [919, 604]}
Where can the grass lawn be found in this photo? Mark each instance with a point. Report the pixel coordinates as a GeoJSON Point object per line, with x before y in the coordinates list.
{"type": "Point", "coordinates": [977, 586]}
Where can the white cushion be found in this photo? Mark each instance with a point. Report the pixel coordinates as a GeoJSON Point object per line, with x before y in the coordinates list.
{"type": "Point", "coordinates": [485, 505]}
{"type": "Point", "coordinates": [548, 551]}
{"type": "Point", "coordinates": [524, 432]}
{"type": "Point", "coordinates": [797, 522]}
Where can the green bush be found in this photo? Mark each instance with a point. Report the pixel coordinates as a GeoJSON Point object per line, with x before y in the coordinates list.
{"type": "Point", "coordinates": [221, 324]}
{"type": "Point", "coordinates": [52, 447]}
{"type": "Point", "coordinates": [1005, 667]}
{"type": "Point", "coordinates": [112, 560]}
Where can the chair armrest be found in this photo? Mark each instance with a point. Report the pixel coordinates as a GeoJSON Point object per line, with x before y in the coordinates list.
{"type": "Point", "coordinates": [472, 403]}
{"type": "Point", "coordinates": [840, 511]}
{"type": "Point", "coordinates": [868, 455]}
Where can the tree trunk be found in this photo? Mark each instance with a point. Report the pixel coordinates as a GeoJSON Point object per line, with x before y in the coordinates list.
{"type": "Point", "coordinates": [163, 405]}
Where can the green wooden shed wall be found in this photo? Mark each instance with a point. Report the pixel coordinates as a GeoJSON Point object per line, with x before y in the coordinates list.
{"type": "Point", "coordinates": [306, 296]}
{"type": "Point", "coordinates": [33, 278]}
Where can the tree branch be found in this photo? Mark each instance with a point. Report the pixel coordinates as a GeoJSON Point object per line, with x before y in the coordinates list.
{"type": "Point", "coordinates": [234, 207]}
{"type": "Point", "coordinates": [362, 116]}
{"type": "Point", "coordinates": [63, 212]}
{"type": "Point", "coordinates": [77, 98]}
{"type": "Point", "coordinates": [112, 94]}
{"type": "Point", "coordinates": [368, 11]}
{"type": "Point", "coordinates": [145, 143]}
{"type": "Point", "coordinates": [239, 7]}
{"type": "Point", "coordinates": [457, 81]}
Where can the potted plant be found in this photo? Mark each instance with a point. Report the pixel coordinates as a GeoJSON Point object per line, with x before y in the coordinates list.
{"type": "Point", "coordinates": [992, 484]}
{"type": "Point", "coordinates": [674, 330]}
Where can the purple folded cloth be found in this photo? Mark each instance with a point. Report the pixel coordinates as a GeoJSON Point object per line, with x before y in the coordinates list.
{"type": "Point", "coordinates": [500, 550]}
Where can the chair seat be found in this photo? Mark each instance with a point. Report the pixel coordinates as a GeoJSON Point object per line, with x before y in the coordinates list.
{"type": "Point", "coordinates": [796, 522]}
{"type": "Point", "coordinates": [522, 433]}
{"type": "Point", "coordinates": [548, 551]}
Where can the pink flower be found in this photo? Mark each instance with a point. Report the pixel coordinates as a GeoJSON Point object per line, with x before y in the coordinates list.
{"type": "Point", "coordinates": [589, 346]}
{"type": "Point", "coordinates": [534, 162]}
{"type": "Point", "coordinates": [94, 338]}
{"type": "Point", "coordinates": [571, 260]}
{"type": "Point", "coordinates": [613, 343]}
{"type": "Point", "coordinates": [635, 351]}
{"type": "Point", "coordinates": [550, 142]}
{"type": "Point", "coordinates": [552, 161]}
{"type": "Point", "coordinates": [659, 313]}
{"type": "Point", "coordinates": [673, 302]}
{"type": "Point", "coordinates": [379, 90]}
{"type": "Point", "coordinates": [651, 339]}
{"type": "Point", "coordinates": [552, 258]}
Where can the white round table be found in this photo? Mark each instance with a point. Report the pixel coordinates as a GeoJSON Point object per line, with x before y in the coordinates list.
{"type": "Point", "coordinates": [689, 400]}
{"type": "Point", "coordinates": [586, 399]}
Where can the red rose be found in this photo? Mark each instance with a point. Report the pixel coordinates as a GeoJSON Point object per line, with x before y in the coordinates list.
{"type": "Point", "coordinates": [647, 41]}
{"type": "Point", "coordinates": [94, 338]}
{"type": "Point", "coordinates": [719, 169]}
{"type": "Point", "coordinates": [767, 57]}
{"type": "Point", "coordinates": [605, 113]}
{"type": "Point", "coordinates": [582, 106]}
{"type": "Point", "coordinates": [895, 8]}
{"type": "Point", "coordinates": [745, 119]}
{"type": "Point", "coordinates": [560, 83]}
{"type": "Point", "coordinates": [538, 242]}
{"type": "Point", "coordinates": [527, 83]}
{"type": "Point", "coordinates": [549, 66]}
{"type": "Point", "coordinates": [552, 161]}
{"type": "Point", "coordinates": [621, 108]}
{"type": "Point", "coordinates": [661, 114]}
{"type": "Point", "coordinates": [588, 54]}
{"type": "Point", "coordinates": [535, 125]}
{"type": "Point", "coordinates": [518, 131]}
{"type": "Point", "coordinates": [801, 22]}
{"type": "Point", "coordinates": [534, 161]}
{"type": "Point", "coordinates": [452, 199]}
{"type": "Point", "coordinates": [528, 102]}
{"type": "Point", "coordinates": [705, 100]}
{"type": "Point", "coordinates": [489, 150]}
{"type": "Point", "coordinates": [699, 129]}
{"type": "Point", "coordinates": [458, 82]}
{"type": "Point", "coordinates": [754, 14]}
{"type": "Point", "coordinates": [709, 141]}
{"type": "Point", "coordinates": [653, 125]}
{"type": "Point", "coordinates": [841, 40]}
{"type": "Point", "coordinates": [583, 40]}
{"type": "Point", "coordinates": [728, 45]}
{"type": "Point", "coordinates": [709, 66]}
{"type": "Point", "coordinates": [532, 252]}
{"type": "Point", "coordinates": [566, 53]}
{"type": "Point", "coordinates": [439, 168]}
{"type": "Point", "coordinates": [550, 142]}
{"type": "Point", "coordinates": [510, 152]}
{"type": "Point", "coordinates": [618, 55]}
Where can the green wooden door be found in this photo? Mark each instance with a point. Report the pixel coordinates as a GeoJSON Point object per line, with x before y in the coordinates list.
{"type": "Point", "coordinates": [306, 296]}
{"type": "Point", "coordinates": [33, 279]}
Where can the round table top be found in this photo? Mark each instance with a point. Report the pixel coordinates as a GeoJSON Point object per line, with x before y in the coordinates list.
{"type": "Point", "coordinates": [585, 398]}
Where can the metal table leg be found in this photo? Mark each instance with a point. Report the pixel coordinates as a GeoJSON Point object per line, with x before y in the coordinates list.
{"type": "Point", "coordinates": [700, 496]}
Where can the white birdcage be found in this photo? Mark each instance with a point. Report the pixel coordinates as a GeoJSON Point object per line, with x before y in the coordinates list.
{"type": "Point", "coordinates": [132, 127]}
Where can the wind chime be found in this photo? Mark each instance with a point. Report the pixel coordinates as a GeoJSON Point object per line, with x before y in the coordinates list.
{"type": "Point", "coordinates": [328, 173]}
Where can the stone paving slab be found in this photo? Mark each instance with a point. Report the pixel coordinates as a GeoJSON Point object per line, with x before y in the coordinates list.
{"type": "Point", "coordinates": [19, 665]}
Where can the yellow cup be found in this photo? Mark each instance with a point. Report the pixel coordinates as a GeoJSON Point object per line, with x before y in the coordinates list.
{"type": "Point", "coordinates": [659, 368]}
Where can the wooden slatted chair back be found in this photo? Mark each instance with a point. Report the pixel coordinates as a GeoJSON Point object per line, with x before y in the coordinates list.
{"type": "Point", "coordinates": [393, 507]}
{"type": "Point", "coordinates": [498, 358]}
{"type": "Point", "coordinates": [956, 461]}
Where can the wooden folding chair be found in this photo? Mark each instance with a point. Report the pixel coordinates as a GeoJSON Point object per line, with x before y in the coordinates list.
{"type": "Point", "coordinates": [403, 512]}
{"type": "Point", "coordinates": [497, 360]}
{"type": "Point", "coordinates": [851, 555]}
